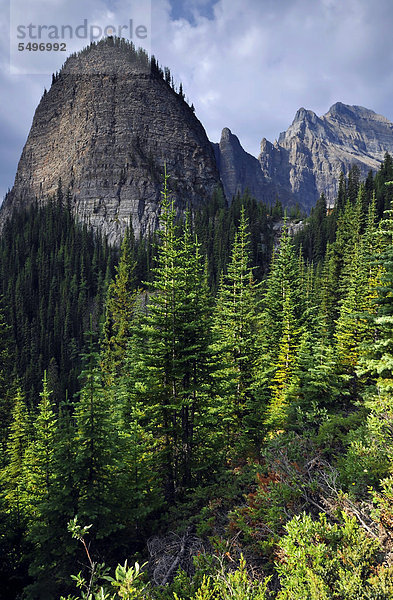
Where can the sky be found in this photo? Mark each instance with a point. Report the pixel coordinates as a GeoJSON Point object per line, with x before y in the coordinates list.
{"type": "Point", "coordinates": [244, 64]}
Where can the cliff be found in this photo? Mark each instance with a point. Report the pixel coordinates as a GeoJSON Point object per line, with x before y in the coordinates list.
{"type": "Point", "coordinates": [106, 127]}
{"type": "Point", "coordinates": [308, 158]}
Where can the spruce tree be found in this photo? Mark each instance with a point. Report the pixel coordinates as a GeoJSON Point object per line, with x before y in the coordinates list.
{"type": "Point", "coordinates": [276, 413]}
{"type": "Point", "coordinates": [41, 472]}
{"type": "Point", "coordinates": [351, 328]}
{"type": "Point", "coordinates": [13, 473]}
{"type": "Point", "coordinates": [139, 477]}
{"type": "Point", "coordinates": [173, 352]}
{"type": "Point", "coordinates": [119, 309]}
{"type": "Point", "coordinates": [280, 331]}
{"type": "Point", "coordinates": [13, 503]}
{"type": "Point", "coordinates": [234, 342]}
{"type": "Point", "coordinates": [355, 327]}
{"type": "Point", "coordinates": [97, 451]}
{"type": "Point", "coordinates": [315, 388]}
{"type": "Point", "coordinates": [39, 458]}
{"type": "Point", "coordinates": [371, 450]}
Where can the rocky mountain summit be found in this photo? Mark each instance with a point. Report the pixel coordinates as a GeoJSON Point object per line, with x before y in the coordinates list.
{"type": "Point", "coordinates": [308, 158]}
{"type": "Point", "coordinates": [239, 171]}
{"type": "Point", "coordinates": [106, 127]}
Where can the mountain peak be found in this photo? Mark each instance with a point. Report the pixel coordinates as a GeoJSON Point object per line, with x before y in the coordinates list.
{"type": "Point", "coordinates": [353, 112]}
{"type": "Point", "coordinates": [315, 150]}
{"type": "Point", "coordinates": [304, 114]}
{"type": "Point", "coordinates": [227, 137]}
{"type": "Point", "coordinates": [309, 156]}
{"type": "Point", "coordinates": [108, 137]}
{"type": "Point", "coordinates": [226, 134]}
{"type": "Point", "coordinates": [339, 108]}
{"type": "Point", "coordinates": [110, 55]}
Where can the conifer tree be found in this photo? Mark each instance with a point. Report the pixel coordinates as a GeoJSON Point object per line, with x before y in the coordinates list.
{"type": "Point", "coordinates": [7, 381]}
{"type": "Point", "coordinates": [353, 183]}
{"type": "Point", "coordinates": [354, 327]}
{"type": "Point", "coordinates": [281, 328]}
{"type": "Point", "coordinates": [370, 455]}
{"type": "Point", "coordinates": [96, 448]}
{"type": "Point", "coordinates": [119, 309]}
{"type": "Point", "coordinates": [342, 192]}
{"type": "Point", "coordinates": [234, 339]}
{"type": "Point", "coordinates": [319, 227]}
{"type": "Point", "coordinates": [276, 413]}
{"type": "Point", "coordinates": [13, 544]}
{"type": "Point", "coordinates": [371, 249]}
{"type": "Point", "coordinates": [13, 473]}
{"type": "Point", "coordinates": [173, 358]}
{"type": "Point", "coordinates": [282, 282]}
{"type": "Point", "coordinates": [380, 354]}
{"type": "Point", "coordinates": [338, 265]}
{"type": "Point", "coordinates": [139, 476]}
{"type": "Point", "coordinates": [315, 387]}
{"type": "Point", "coordinates": [384, 193]}
{"type": "Point", "coordinates": [44, 527]}
{"type": "Point", "coordinates": [351, 326]}
{"type": "Point", "coordinates": [39, 458]}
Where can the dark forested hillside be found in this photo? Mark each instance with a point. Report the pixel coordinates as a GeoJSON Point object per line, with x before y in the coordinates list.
{"type": "Point", "coordinates": [231, 425]}
{"type": "Point", "coordinates": [53, 277]}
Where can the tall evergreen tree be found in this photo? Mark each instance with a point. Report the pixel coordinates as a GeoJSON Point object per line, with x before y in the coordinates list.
{"type": "Point", "coordinates": [13, 500]}
{"type": "Point", "coordinates": [39, 458]}
{"type": "Point", "coordinates": [355, 326]}
{"type": "Point", "coordinates": [13, 473]}
{"type": "Point", "coordinates": [119, 309]}
{"type": "Point", "coordinates": [351, 326]}
{"type": "Point", "coordinates": [276, 413]}
{"type": "Point", "coordinates": [378, 359]}
{"type": "Point", "coordinates": [173, 342]}
{"type": "Point", "coordinates": [281, 327]}
{"type": "Point", "coordinates": [96, 459]}
{"type": "Point", "coordinates": [40, 473]}
{"type": "Point", "coordinates": [370, 455]}
{"type": "Point", "coordinates": [315, 388]}
{"type": "Point", "coordinates": [234, 341]}
{"type": "Point", "coordinates": [7, 381]}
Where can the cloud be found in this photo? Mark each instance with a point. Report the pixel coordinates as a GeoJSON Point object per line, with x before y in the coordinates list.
{"type": "Point", "coordinates": [245, 65]}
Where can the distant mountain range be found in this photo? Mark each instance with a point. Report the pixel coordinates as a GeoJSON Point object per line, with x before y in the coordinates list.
{"type": "Point", "coordinates": [308, 158]}
{"type": "Point", "coordinates": [112, 119]}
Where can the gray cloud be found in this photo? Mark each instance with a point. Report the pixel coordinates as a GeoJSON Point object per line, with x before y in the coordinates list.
{"type": "Point", "coordinates": [246, 65]}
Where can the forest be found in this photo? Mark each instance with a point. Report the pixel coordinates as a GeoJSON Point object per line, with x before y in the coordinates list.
{"type": "Point", "coordinates": [202, 414]}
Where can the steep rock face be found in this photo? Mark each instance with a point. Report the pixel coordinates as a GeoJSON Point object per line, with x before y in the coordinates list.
{"type": "Point", "coordinates": [240, 171]}
{"type": "Point", "coordinates": [319, 148]}
{"type": "Point", "coordinates": [308, 158]}
{"type": "Point", "coordinates": [106, 128]}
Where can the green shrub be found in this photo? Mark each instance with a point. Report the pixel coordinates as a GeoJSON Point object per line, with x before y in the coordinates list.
{"type": "Point", "coordinates": [318, 560]}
